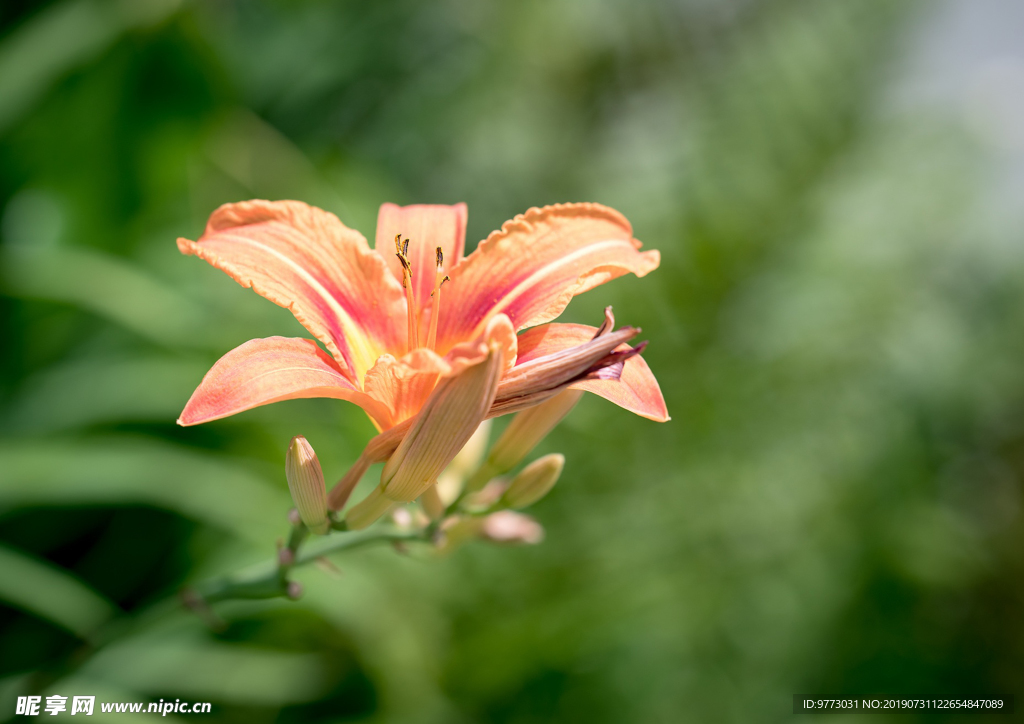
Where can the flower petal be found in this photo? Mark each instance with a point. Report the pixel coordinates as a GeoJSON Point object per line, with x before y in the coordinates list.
{"type": "Point", "coordinates": [450, 418]}
{"type": "Point", "coordinates": [305, 259]}
{"type": "Point", "coordinates": [451, 415]}
{"type": "Point", "coordinates": [268, 370]}
{"type": "Point", "coordinates": [535, 264]}
{"type": "Point", "coordinates": [427, 227]}
{"type": "Point", "coordinates": [404, 384]}
{"type": "Point", "coordinates": [636, 389]}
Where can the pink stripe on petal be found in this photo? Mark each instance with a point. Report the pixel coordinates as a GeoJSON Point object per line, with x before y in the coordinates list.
{"type": "Point", "coordinates": [535, 264]}
{"type": "Point", "coordinates": [636, 389]}
{"type": "Point", "coordinates": [268, 370]}
{"type": "Point", "coordinates": [306, 260]}
{"type": "Point", "coordinates": [427, 227]}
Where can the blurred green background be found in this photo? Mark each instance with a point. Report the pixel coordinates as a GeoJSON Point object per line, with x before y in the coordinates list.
{"type": "Point", "coordinates": [837, 190]}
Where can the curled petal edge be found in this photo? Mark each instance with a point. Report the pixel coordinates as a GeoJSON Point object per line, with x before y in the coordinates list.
{"type": "Point", "coordinates": [636, 389]}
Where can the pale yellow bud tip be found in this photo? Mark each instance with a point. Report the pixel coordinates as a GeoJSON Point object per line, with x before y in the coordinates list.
{"type": "Point", "coordinates": [306, 484]}
{"type": "Point", "coordinates": [534, 482]}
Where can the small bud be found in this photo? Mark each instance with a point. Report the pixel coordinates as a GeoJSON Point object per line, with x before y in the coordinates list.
{"type": "Point", "coordinates": [294, 590]}
{"type": "Point", "coordinates": [523, 434]}
{"type": "Point", "coordinates": [285, 557]}
{"type": "Point", "coordinates": [506, 526]}
{"type": "Point", "coordinates": [306, 483]}
{"type": "Point", "coordinates": [534, 482]}
{"type": "Point", "coordinates": [455, 531]}
{"type": "Point", "coordinates": [489, 495]}
{"type": "Point", "coordinates": [432, 504]}
{"type": "Point", "coordinates": [293, 516]}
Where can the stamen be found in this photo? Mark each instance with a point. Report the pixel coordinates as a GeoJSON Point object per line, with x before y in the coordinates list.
{"type": "Point", "coordinates": [435, 311]}
{"type": "Point", "coordinates": [402, 252]}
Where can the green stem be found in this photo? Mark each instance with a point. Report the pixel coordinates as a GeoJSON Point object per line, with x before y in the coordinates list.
{"type": "Point", "coordinates": [271, 581]}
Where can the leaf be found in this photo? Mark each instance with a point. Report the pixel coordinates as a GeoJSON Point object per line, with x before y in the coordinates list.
{"type": "Point", "coordinates": [52, 593]}
{"type": "Point", "coordinates": [179, 658]}
{"type": "Point", "coordinates": [60, 38]}
{"type": "Point", "coordinates": [131, 470]}
{"type": "Point", "coordinates": [85, 392]}
{"type": "Point", "coordinates": [105, 285]}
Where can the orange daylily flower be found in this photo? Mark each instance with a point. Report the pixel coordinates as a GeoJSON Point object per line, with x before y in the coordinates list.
{"type": "Point", "coordinates": [398, 319]}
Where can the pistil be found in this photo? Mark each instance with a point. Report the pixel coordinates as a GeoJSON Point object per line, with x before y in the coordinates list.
{"type": "Point", "coordinates": [402, 252]}
{"type": "Point", "coordinates": [439, 278]}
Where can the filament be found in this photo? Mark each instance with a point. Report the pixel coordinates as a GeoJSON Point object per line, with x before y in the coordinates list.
{"type": "Point", "coordinates": [402, 252]}
{"type": "Point", "coordinates": [435, 312]}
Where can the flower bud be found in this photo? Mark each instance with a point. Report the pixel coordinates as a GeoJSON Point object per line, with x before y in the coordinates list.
{"type": "Point", "coordinates": [488, 496]}
{"type": "Point", "coordinates": [306, 483]}
{"type": "Point", "coordinates": [523, 434]}
{"type": "Point", "coordinates": [534, 482]}
{"type": "Point", "coordinates": [432, 503]}
{"type": "Point", "coordinates": [507, 526]}
{"type": "Point", "coordinates": [457, 530]}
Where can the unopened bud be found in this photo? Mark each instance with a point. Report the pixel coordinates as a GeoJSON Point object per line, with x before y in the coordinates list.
{"type": "Point", "coordinates": [534, 482]}
{"type": "Point", "coordinates": [507, 526]}
{"type": "Point", "coordinates": [489, 495]}
{"type": "Point", "coordinates": [523, 434]}
{"type": "Point", "coordinates": [306, 483]}
{"type": "Point", "coordinates": [432, 503]}
{"type": "Point", "coordinates": [294, 590]}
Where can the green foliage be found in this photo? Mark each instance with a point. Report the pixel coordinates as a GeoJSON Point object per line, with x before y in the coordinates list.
{"type": "Point", "coordinates": [834, 508]}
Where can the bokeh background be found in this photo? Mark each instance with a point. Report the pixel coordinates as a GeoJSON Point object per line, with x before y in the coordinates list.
{"type": "Point", "coordinates": [837, 190]}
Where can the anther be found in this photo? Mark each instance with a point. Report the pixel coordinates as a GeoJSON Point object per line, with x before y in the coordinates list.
{"type": "Point", "coordinates": [402, 252]}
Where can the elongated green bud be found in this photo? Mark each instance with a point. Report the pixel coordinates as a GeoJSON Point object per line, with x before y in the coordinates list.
{"type": "Point", "coordinates": [522, 435]}
{"type": "Point", "coordinates": [306, 483]}
{"type": "Point", "coordinates": [534, 482]}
